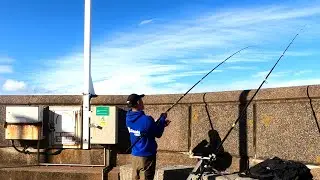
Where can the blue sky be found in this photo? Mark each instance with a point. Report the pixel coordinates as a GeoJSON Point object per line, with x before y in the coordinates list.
{"type": "Point", "coordinates": [157, 47]}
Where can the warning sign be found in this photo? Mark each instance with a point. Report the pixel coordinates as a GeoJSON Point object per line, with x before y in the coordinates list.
{"type": "Point", "coordinates": [103, 122]}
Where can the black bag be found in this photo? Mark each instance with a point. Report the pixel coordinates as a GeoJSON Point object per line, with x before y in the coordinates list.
{"type": "Point", "coordinates": [278, 169]}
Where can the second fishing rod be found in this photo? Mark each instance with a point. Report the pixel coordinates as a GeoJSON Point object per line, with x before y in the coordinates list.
{"type": "Point", "coordinates": [158, 121]}
{"type": "Point", "coordinates": [244, 111]}
{"type": "Point", "coordinates": [245, 108]}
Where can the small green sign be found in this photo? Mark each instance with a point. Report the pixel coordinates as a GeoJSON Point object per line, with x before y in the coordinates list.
{"type": "Point", "coordinates": [102, 111]}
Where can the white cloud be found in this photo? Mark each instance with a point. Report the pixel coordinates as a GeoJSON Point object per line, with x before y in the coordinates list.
{"type": "Point", "coordinates": [241, 67]}
{"type": "Point", "coordinates": [299, 73]}
{"type": "Point", "coordinates": [265, 14]}
{"type": "Point", "coordinates": [254, 84]}
{"type": "Point", "coordinates": [153, 59]}
{"type": "Point", "coordinates": [13, 85]}
{"type": "Point", "coordinates": [278, 74]}
{"type": "Point", "coordinates": [146, 21]}
{"type": "Point", "coordinates": [5, 65]}
{"type": "Point", "coordinates": [5, 69]}
{"type": "Point", "coordinates": [263, 74]}
{"type": "Point", "coordinates": [6, 60]}
{"type": "Point", "coordinates": [296, 82]}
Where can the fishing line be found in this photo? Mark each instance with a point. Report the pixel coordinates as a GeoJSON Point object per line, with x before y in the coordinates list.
{"type": "Point", "coordinates": [158, 121]}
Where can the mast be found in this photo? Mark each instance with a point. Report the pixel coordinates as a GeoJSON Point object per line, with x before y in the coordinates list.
{"type": "Point", "coordinates": [87, 76]}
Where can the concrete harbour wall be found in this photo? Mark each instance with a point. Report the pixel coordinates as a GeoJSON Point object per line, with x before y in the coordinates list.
{"type": "Point", "coordinates": [279, 122]}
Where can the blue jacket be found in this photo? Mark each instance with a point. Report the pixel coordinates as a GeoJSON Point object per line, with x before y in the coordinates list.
{"type": "Point", "coordinates": [138, 123]}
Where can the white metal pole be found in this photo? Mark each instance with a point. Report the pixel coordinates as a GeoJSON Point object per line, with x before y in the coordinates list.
{"type": "Point", "coordinates": [87, 72]}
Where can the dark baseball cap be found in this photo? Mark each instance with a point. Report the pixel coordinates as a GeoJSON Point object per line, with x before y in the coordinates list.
{"type": "Point", "coordinates": [133, 99]}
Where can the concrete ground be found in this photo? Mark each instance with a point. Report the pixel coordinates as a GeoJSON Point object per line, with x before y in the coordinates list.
{"type": "Point", "coordinates": [16, 166]}
{"type": "Point", "coordinates": [30, 172]}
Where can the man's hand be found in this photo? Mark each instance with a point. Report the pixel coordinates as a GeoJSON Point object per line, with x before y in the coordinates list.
{"type": "Point", "coordinates": [164, 115]}
{"type": "Point", "coordinates": [167, 123]}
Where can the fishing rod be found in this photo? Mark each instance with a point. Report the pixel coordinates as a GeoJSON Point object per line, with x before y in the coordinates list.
{"type": "Point", "coordinates": [188, 92]}
{"type": "Point", "coordinates": [203, 78]}
{"type": "Point", "coordinates": [244, 110]}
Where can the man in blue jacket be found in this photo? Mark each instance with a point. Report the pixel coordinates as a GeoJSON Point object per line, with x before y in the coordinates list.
{"type": "Point", "coordinates": [143, 130]}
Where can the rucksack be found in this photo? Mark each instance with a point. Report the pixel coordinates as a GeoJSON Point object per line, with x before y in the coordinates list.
{"type": "Point", "coordinates": [278, 169]}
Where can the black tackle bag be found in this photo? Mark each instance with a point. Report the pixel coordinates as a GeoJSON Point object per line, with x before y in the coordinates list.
{"type": "Point", "coordinates": [278, 169]}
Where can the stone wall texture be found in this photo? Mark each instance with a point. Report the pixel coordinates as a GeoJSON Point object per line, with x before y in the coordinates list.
{"type": "Point", "coordinates": [278, 122]}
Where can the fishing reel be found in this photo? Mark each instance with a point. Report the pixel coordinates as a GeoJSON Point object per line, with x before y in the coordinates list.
{"type": "Point", "coordinates": [204, 166]}
{"type": "Point", "coordinates": [210, 161]}
{"type": "Point", "coordinates": [206, 160]}
{"type": "Point", "coordinates": [207, 163]}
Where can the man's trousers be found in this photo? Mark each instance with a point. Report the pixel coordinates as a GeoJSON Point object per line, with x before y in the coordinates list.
{"type": "Point", "coordinates": [143, 167]}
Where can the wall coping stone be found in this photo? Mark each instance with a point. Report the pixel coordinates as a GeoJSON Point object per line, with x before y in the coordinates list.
{"type": "Point", "coordinates": [266, 94]}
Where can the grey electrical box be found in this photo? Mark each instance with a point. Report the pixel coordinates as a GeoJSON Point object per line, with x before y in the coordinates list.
{"type": "Point", "coordinates": [24, 114]}
{"type": "Point", "coordinates": [104, 125]}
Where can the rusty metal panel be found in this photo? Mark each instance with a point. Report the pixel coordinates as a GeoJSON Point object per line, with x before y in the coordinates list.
{"type": "Point", "coordinates": [23, 131]}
